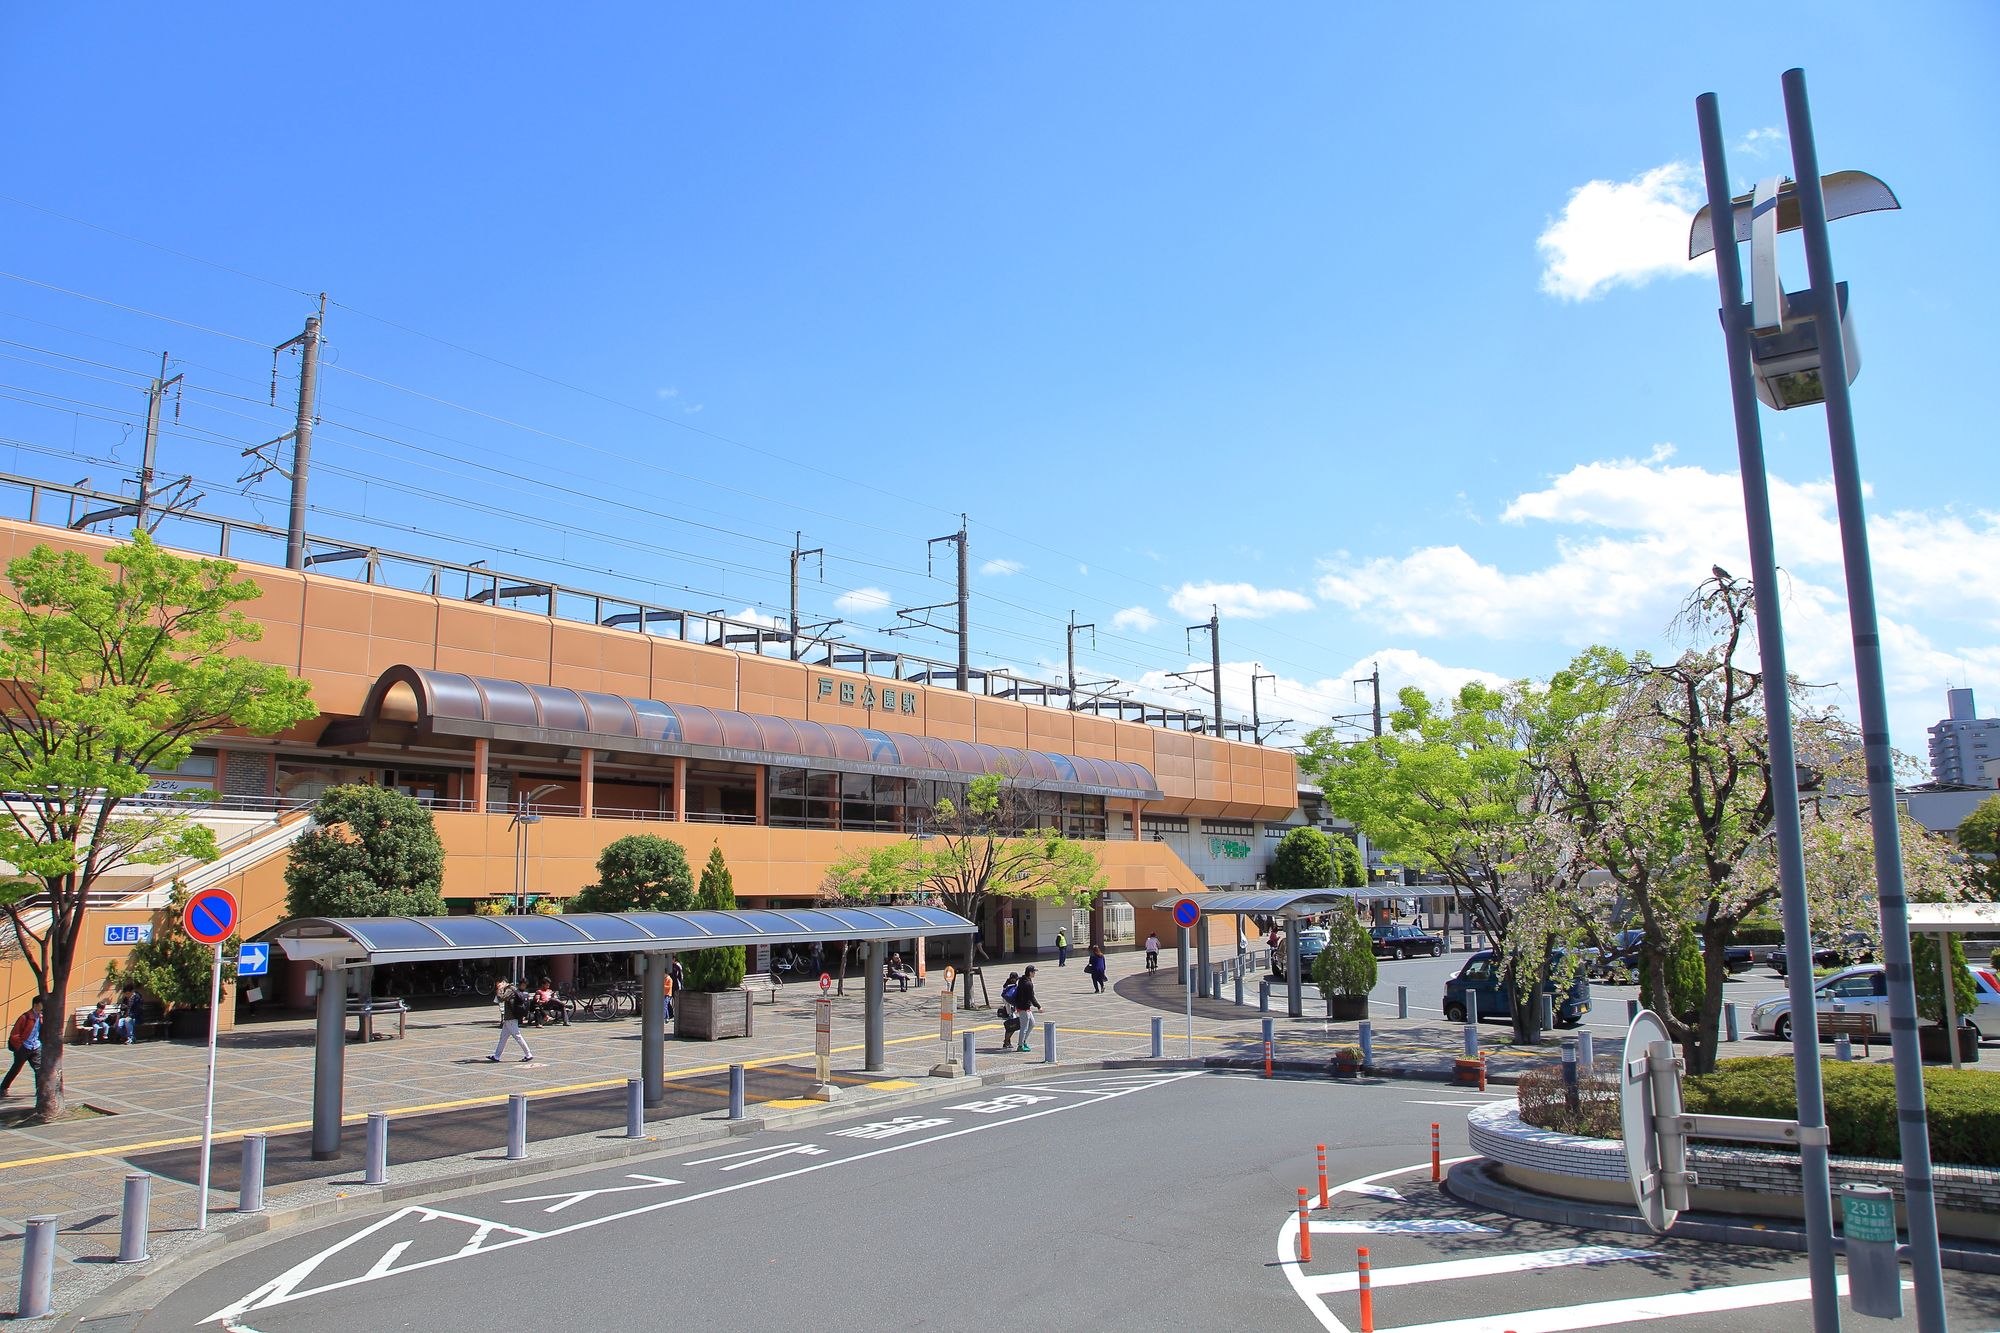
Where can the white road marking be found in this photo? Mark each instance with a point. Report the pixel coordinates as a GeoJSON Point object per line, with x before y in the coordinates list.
{"type": "Point", "coordinates": [1405, 1226]}
{"type": "Point", "coordinates": [1490, 1266]}
{"type": "Point", "coordinates": [889, 1129]}
{"type": "Point", "coordinates": [1666, 1305]}
{"type": "Point", "coordinates": [1288, 1256]}
{"type": "Point", "coordinates": [284, 1288]}
{"type": "Point", "coordinates": [796, 1150]}
{"type": "Point", "coordinates": [578, 1196]}
{"type": "Point", "coordinates": [1373, 1191]}
{"type": "Point", "coordinates": [704, 1161]}
{"type": "Point", "coordinates": [1488, 1102]}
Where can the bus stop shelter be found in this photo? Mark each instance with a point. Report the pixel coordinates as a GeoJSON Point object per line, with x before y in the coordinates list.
{"type": "Point", "coordinates": [337, 944]}
{"type": "Point", "coordinates": [1289, 906]}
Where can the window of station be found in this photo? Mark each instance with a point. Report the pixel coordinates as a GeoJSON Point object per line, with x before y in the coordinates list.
{"type": "Point", "coordinates": [1074, 815]}
{"type": "Point", "coordinates": [722, 793]}
{"type": "Point", "coordinates": [428, 786]}
{"type": "Point", "coordinates": [798, 798]}
{"type": "Point", "coordinates": [1229, 828]}
{"type": "Point", "coordinates": [307, 782]}
{"type": "Point", "coordinates": [1155, 827]}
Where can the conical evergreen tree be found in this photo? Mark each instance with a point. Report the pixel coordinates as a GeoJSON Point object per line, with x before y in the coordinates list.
{"type": "Point", "coordinates": [715, 969]}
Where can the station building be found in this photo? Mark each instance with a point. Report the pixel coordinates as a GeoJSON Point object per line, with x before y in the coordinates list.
{"type": "Point", "coordinates": [604, 729]}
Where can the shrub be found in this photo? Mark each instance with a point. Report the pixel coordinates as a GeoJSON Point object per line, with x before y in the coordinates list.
{"type": "Point", "coordinates": [715, 969]}
{"type": "Point", "coordinates": [1304, 860]}
{"type": "Point", "coordinates": [1962, 1105]}
{"type": "Point", "coordinates": [1545, 1100]}
{"type": "Point", "coordinates": [1759, 934]}
{"type": "Point", "coordinates": [1346, 966]}
{"type": "Point", "coordinates": [1930, 991]}
{"type": "Point", "coordinates": [373, 852]}
{"type": "Point", "coordinates": [641, 872]}
{"type": "Point", "coordinates": [1687, 976]}
{"type": "Point", "coordinates": [1349, 873]}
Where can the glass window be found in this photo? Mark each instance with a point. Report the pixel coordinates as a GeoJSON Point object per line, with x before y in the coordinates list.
{"type": "Point", "coordinates": [306, 782]}
{"type": "Point", "coordinates": [722, 793]}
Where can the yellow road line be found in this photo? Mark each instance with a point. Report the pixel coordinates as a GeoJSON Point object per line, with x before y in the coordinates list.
{"type": "Point", "coordinates": [359, 1116]}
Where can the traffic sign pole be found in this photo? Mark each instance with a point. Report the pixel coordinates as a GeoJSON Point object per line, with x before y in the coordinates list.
{"type": "Point", "coordinates": [1187, 915]}
{"type": "Point", "coordinates": [210, 918]}
{"type": "Point", "coordinates": [208, 1109]}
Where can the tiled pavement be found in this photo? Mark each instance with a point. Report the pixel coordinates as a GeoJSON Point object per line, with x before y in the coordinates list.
{"type": "Point", "coordinates": [446, 1100]}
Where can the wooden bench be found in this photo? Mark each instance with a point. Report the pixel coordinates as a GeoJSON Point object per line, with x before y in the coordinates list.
{"type": "Point", "coordinates": [1854, 1026]}
{"type": "Point", "coordinates": [81, 1023]}
{"type": "Point", "coordinates": [766, 982]}
{"type": "Point", "coordinates": [368, 1010]}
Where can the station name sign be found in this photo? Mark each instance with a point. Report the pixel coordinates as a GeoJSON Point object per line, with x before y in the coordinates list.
{"type": "Point", "coordinates": [863, 694]}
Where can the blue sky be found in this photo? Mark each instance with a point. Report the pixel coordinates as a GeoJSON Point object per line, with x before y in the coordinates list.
{"type": "Point", "coordinates": [1313, 311]}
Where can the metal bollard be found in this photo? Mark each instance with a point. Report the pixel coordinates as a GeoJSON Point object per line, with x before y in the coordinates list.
{"type": "Point", "coordinates": [1269, 1024]}
{"type": "Point", "coordinates": [635, 1108]}
{"type": "Point", "coordinates": [1586, 1049]}
{"type": "Point", "coordinates": [378, 1149]}
{"type": "Point", "coordinates": [1367, 1044]}
{"type": "Point", "coordinates": [133, 1227]}
{"type": "Point", "coordinates": [1158, 1048]}
{"type": "Point", "coordinates": [1048, 1042]}
{"type": "Point", "coordinates": [1472, 1041]}
{"type": "Point", "coordinates": [736, 1092]}
{"type": "Point", "coordinates": [250, 1179]}
{"type": "Point", "coordinates": [1843, 1049]}
{"type": "Point", "coordinates": [1402, 1001]}
{"type": "Point", "coordinates": [1631, 1010]}
{"type": "Point", "coordinates": [1548, 1012]}
{"type": "Point", "coordinates": [1264, 996]}
{"type": "Point", "coordinates": [1570, 1097]}
{"type": "Point", "coordinates": [1729, 1021]}
{"type": "Point", "coordinates": [517, 1126]}
{"type": "Point", "coordinates": [971, 1053]}
{"type": "Point", "coordinates": [38, 1267]}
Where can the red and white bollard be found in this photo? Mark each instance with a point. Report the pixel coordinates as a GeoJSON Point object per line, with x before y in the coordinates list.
{"type": "Point", "coordinates": [1437, 1170]}
{"type": "Point", "coordinates": [1322, 1175]}
{"type": "Point", "coordinates": [1367, 1293]}
{"type": "Point", "coordinates": [1305, 1228]}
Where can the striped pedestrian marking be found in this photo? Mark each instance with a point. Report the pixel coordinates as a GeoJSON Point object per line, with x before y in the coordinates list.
{"type": "Point", "coordinates": [1490, 1266]}
{"type": "Point", "coordinates": [1667, 1305]}
{"type": "Point", "coordinates": [1407, 1226]}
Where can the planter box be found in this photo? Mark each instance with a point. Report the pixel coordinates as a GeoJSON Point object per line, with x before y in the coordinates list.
{"type": "Point", "coordinates": [183, 1024]}
{"type": "Point", "coordinates": [710, 1016]}
{"type": "Point", "coordinates": [1930, 1041]}
{"type": "Point", "coordinates": [1469, 1073]}
{"type": "Point", "coordinates": [1346, 1008]}
{"type": "Point", "coordinates": [1346, 1068]}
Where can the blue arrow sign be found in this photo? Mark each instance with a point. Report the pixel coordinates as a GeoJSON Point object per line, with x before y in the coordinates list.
{"type": "Point", "coordinates": [254, 960]}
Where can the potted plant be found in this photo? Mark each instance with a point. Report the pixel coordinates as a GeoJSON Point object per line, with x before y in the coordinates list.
{"type": "Point", "coordinates": [1469, 1071]}
{"type": "Point", "coordinates": [1930, 998]}
{"type": "Point", "coordinates": [1346, 1062]}
{"type": "Point", "coordinates": [1344, 971]}
{"type": "Point", "coordinates": [712, 1002]}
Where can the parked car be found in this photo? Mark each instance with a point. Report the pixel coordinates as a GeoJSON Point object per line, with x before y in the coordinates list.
{"type": "Point", "coordinates": [1479, 992]}
{"type": "Point", "coordinates": [1865, 990]}
{"type": "Point", "coordinates": [1404, 942]}
{"type": "Point", "coordinates": [1854, 947]}
{"type": "Point", "coordinates": [1623, 961]}
{"type": "Point", "coordinates": [1311, 941]}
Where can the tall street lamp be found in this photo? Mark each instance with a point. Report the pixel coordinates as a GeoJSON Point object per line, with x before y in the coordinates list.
{"type": "Point", "coordinates": [1790, 350]}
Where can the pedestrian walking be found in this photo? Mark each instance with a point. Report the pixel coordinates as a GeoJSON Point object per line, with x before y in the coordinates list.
{"type": "Point", "coordinates": [25, 1041]}
{"type": "Point", "coordinates": [1010, 1019]}
{"type": "Point", "coordinates": [979, 943]}
{"type": "Point", "coordinates": [1062, 948]}
{"type": "Point", "coordinates": [513, 1008]}
{"type": "Point", "coordinates": [1025, 1006]}
{"type": "Point", "coordinates": [1152, 952]}
{"type": "Point", "coordinates": [1093, 967]}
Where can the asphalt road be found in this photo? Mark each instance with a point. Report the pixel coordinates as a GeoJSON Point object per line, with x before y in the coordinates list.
{"type": "Point", "coordinates": [1138, 1198]}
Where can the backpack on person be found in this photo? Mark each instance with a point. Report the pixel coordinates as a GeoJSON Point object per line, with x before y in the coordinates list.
{"type": "Point", "coordinates": [1008, 991]}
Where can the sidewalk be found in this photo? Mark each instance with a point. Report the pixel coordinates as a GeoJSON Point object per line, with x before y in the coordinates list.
{"type": "Point", "coordinates": [447, 1102]}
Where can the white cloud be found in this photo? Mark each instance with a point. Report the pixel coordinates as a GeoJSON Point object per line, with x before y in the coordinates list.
{"type": "Point", "coordinates": [1135, 617]}
{"type": "Point", "coordinates": [696, 408]}
{"type": "Point", "coordinates": [1761, 143]}
{"type": "Point", "coordinates": [750, 615]}
{"type": "Point", "coordinates": [1236, 601]}
{"type": "Point", "coordinates": [1622, 233]}
{"type": "Point", "coordinates": [669, 393]}
{"type": "Point", "coordinates": [1002, 567]}
{"type": "Point", "coordinates": [1643, 534]}
{"type": "Point", "coordinates": [862, 600]}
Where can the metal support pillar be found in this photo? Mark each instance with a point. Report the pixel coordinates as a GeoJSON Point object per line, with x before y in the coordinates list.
{"type": "Point", "coordinates": [1872, 698]}
{"type": "Point", "coordinates": [329, 1062]}
{"type": "Point", "coordinates": [1295, 993]}
{"type": "Point", "coordinates": [1206, 990]}
{"type": "Point", "coordinates": [653, 1028]}
{"type": "Point", "coordinates": [871, 1040]}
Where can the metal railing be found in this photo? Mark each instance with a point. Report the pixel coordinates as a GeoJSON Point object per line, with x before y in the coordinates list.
{"type": "Point", "coordinates": [491, 587]}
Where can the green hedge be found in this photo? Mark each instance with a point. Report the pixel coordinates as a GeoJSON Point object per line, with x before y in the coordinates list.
{"type": "Point", "coordinates": [1962, 1105]}
{"type": "Point", "coordinates": [1757, 935]}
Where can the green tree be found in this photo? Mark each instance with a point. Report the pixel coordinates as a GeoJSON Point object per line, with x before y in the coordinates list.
{"type": "Point", "coordinates": [1346, 966]}
{"type": "Point", "coordinates": [641, 872]}
{"type": "Point", "coordinates": [113, 673]}
{"type": "Point", "coordinates": [373, 852]}
{"type": "Point", "coordinates": [172, 967]}
{"type": "Point", "coordinates": [1930, 991]}
{"type": "Point", "coordinates": [1304, 860]}
{"type": "Point", "coordinates": [1683, 975]}
{"type": "Point", "coordinates": [1979, 841]}
{"type": "Point", "coordinates": [1349, 872]}
{"type": "Point", "coordinates": [988, 846]}
{"type": "Point", "coordinates": [717, 969]}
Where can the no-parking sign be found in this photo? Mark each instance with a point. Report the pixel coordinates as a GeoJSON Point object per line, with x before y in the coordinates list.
{"type": "Point", "coordinates": [1187, 912]}
{"type": "Point", "coordinates": [210, 916]}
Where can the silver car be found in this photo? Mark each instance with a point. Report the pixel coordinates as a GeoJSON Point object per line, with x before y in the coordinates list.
{"type": "Point", "coordinates": [1865, 990]}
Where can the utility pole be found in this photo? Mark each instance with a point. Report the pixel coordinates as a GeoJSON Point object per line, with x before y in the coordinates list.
{"type": "Point", "coordinates": [1257, 673]}
{"type": "Point", "coordinates": [1071, 640]}
{"type": "Point", "coordinates": [964, 598]}
{"type": "Point", "coordinates": [1374, 679]}
{"type": "Point", "coordinates": [1213, 628]}
{"type": "Point", "coordinates": [308, 345]}
{"type": "Point", "coordinates": [154, 397]}
{"type": "Point", "coordinates": [798, 555]}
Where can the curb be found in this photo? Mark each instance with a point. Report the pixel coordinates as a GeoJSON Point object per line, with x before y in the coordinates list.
{"type": "Point", "coordinates": [1324, 1069]}
{"type": "Point", "coordinates": [106, 1304]}
{"type": "Point", "coordinates": [1475, 1182]}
